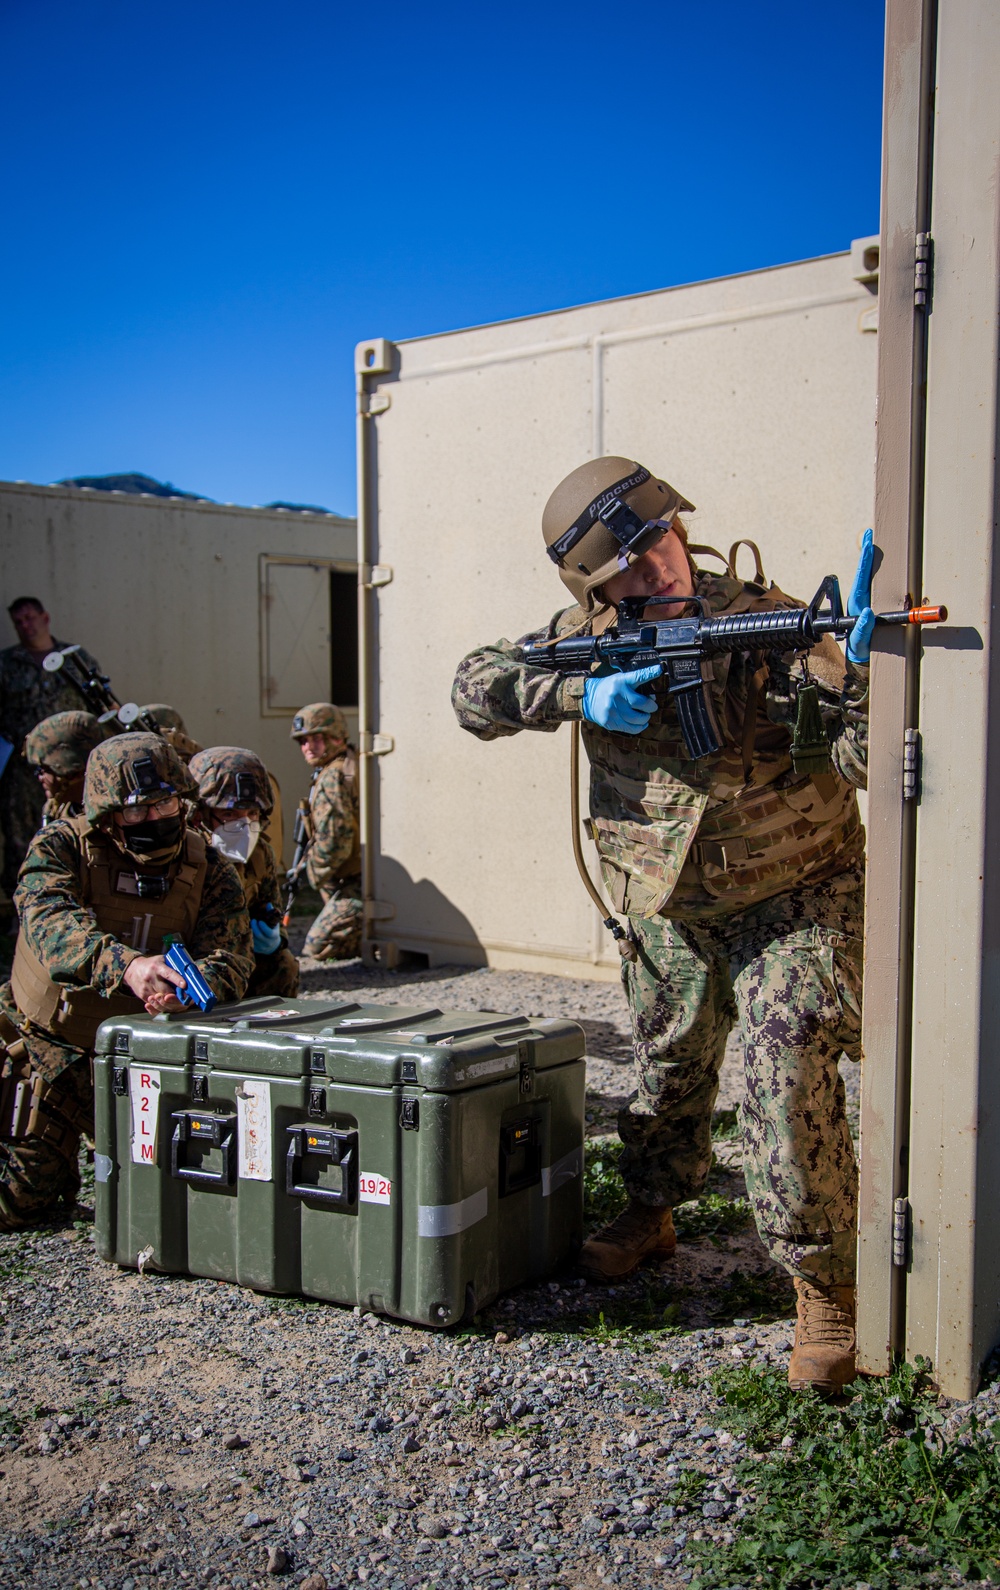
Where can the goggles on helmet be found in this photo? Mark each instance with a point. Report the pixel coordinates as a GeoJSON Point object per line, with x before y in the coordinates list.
{"type": "Point", "coordinates": [633, 534]}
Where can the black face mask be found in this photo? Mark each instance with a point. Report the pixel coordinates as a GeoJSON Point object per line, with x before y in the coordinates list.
{"type": "Point", "coordinates": [155, 838]}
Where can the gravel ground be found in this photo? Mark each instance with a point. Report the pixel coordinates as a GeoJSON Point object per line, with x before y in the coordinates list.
{"type": "Point", "coordinates": [156, 1430]}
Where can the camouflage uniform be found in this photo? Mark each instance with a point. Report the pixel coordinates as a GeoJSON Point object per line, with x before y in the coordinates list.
{"type": "Point", "coordinates": [277, 973]}
{"type": "Point", "coordinates": [59, 929]}
{"type": "Point", "coordinates": [745, 904]}
{"type": "Point", "coordinates": [27, 695]}
{"type": "Point", "coordinates": [333, 860]}
{"type": "Point", "coordinates": [230, 777]}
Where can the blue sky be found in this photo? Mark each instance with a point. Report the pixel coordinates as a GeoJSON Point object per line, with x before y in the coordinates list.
{"type": "Point", "coordinates": [207, 205]}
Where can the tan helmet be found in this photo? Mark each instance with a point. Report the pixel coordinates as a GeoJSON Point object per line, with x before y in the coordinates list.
{"type": "Point", "coordinates": [601, 518]}
{"type": "Point", "coordinates": [133, 770]}
{"type": "Point", "coordinates": [228, 776]}
{"type": "Point", "coordinates": [320, 718]}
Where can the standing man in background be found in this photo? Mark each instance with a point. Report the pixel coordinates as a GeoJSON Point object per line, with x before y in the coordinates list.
{"type": "Point", "coordinates": [333, 859]}
{"type": "Point", "coordinates": [27, 695]}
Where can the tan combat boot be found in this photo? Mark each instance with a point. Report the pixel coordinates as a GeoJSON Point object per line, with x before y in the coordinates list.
{"type": "Point", "coordinates": [823, 1355]}
{"type": "Point", "coordinates": [639, 1233]}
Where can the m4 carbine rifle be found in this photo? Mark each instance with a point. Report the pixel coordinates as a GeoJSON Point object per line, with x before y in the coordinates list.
{"type": "Point", "coordinates": [682, 647]}
{"type": "Point", "coordinates": [301, 834]}
{"type": "Point", "coordinates": [95, 688]}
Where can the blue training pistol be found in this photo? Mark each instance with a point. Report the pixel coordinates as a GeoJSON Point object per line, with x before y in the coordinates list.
{"type": "Point", "coordinates": [197, 991]}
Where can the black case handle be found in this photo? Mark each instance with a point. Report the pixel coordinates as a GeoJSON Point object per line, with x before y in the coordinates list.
{"type": "Point", "coordinates": [340, 1148]}
{"type": "Point", "coordinates": [214, 1131]}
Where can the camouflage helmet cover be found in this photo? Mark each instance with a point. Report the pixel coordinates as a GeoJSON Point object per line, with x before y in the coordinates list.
{"type": "Point", "coordinates": [228, 776]}
{"type": "Point", "coordinates": [172, 728]}
{"type": "Point", "coordinates": [62, 743]}
{"type": "Point", "coordinates": [133, 769]}
{"type": "Point", "coordinates": [601, 518]}
{"type": "Point", "coordinates": [166, 717]}
{"type": "Point", "coordinates": [320, 718]}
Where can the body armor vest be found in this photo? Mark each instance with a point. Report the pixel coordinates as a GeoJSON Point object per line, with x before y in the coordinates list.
{"type": "Point", "coordinates": [696, 838]}
{"type": "Point", "coordinates": [109, 881]}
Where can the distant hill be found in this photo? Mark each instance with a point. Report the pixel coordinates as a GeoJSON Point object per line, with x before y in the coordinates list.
{"type": "Point", "coordinates": [146, 486]}
{"type": "Point", "coordinates": [299, 507]}
{"type": "Point", "coordinates": [133, 485]}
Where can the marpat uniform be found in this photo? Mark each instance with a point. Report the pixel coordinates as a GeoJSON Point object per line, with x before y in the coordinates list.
{"type": "Point", "coordinates": [234, 800]}
{"type": "Point", "coordinates": [333, 860]}
{"type": "Point", "coordinates": [94, 896]}
{"type": "Point", "coordinates": [744, 898]}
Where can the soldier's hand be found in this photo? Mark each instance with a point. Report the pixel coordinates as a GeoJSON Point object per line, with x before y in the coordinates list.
{"type": "Point", "coordinates": [150, 979]}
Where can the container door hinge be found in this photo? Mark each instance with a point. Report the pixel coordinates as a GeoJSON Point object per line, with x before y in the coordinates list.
{"type": "Point", "coordinates": [373, 402]}
{"type": "Point", "coordinates": [911, 764]}
{"type": "Point", "coordinates": [377, 744]}
{"type": "Point", "coordinates": [902, 1231]}
{"type": "Point", "coordinates": [923, 272]}
{"type": "Point", "coordinates": [374, 575]}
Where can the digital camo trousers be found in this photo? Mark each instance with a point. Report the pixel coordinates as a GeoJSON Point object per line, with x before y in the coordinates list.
{"type": "Point", "coordinates": [336, 933]}
{"type": "Point", "coordinates": [789, 972]}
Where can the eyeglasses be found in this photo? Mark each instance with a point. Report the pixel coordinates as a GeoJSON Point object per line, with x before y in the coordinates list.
{"type": "Point", "coordinates": [167, 806]}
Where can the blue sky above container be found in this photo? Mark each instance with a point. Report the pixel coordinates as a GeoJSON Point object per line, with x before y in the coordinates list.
{"type": "Point", "coordinates": [207, 206]}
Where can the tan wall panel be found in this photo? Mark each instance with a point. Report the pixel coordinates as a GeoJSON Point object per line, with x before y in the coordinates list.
{"type": "Point", "coordinates": [754, 394]}
{"type": "Point", "coordinates": [953, 1297]}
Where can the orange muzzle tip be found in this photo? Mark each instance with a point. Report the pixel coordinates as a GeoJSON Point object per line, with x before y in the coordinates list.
{"type": "Point", "coordinates": [928, 615]}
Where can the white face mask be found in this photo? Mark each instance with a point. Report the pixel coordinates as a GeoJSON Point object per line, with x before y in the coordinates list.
{"type": "Point", "coordinates": [236, 839]}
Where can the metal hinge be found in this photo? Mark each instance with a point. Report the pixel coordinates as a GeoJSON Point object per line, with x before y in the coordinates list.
{"type": "Point", "coordinates": [911, 764]}
{"type": "Point", "coordinates": [375, 574]}
{"type": "Point", "coordinates": [373, 402]}
{"type": "Point", "coordinates": [376, 744]}
{"type": "Point", "coordinates": [902, 1230]}
{"type": "Point", "coordinates": [923, 268]}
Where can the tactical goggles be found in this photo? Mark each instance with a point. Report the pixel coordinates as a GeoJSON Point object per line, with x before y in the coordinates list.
{"type": "Point", "coordinates": [166, 806]}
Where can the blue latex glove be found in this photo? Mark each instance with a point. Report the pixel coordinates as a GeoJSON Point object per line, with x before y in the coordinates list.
{"type": "Point", "coordinates": [265, 939]}
{"type": "Point", "coordinates": [614, 701]}
{"type": "Point", "coordinates": [859, 605]}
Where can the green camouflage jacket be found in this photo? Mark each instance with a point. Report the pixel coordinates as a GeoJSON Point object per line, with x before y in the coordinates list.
{"type": "Point", "coordinates": [62, 930]}
{"type": "Point", "coordinates": [28, 694]}
{"type": "Point", "coordinates": [692, 833]}
{"type": "Point", "coordinates": [335, 849]}
{"type": "Point", "coordinates": [260, 884]}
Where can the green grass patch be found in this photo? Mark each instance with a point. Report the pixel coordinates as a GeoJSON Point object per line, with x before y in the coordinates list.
{"type": "Point", "coordinates": [10, 1424]}
{"type": "Point", "coordinates": [869, 1492]}
{"type": "Point", "coordinates": [712, 1216]}
{"type": "Point", "coordinates": [604, 1196]}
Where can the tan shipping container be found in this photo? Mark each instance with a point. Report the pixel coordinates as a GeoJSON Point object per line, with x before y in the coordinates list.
{"type": "Point", "coordinates": [754, 395]}
{"type": "Point", "coordinates": [223, 612]}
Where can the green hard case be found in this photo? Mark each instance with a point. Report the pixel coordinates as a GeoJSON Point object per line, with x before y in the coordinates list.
{"type": "Point", "coordinates": [414, 1161]}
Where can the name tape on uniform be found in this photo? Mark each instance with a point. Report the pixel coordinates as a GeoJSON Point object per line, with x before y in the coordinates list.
{"type": "Point", "coordinates": [145, 1096]}
{"type": "Point", "coordinates": [253, 1109]}
{"type": "Point", "coordinates": [374, 1189]}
